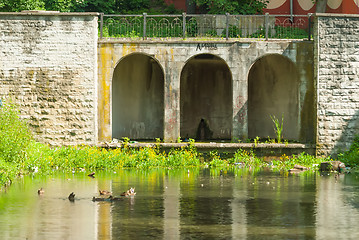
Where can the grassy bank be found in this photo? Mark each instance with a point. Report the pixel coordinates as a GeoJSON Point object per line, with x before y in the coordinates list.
{"type": "Point", "coordinates": [21, 155]}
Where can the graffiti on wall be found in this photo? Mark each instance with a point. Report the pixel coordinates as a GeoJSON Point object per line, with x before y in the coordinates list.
{"type": "Point", "coordinates": [206, 46]}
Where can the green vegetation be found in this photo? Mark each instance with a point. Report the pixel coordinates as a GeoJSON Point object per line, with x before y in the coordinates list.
{"type": "Point", "coordinates": [281, 32]}
{"type": "Point", "coordinates": [109, 7]}
{"type": "Point", "coordinates": [242, 7]}
{"type": "Point", "coordinates": [133, 6]}
{"type": "Point", "coordinates": [351, 157]}
{"type": "Point", "coordinates": [20, 155]}
{"type": "Point", "coordinates": [278, 127]}
{"type": "Point", "coordinates": [115, 28]}
{"type": "Point", "coordinates": [14, 138]}
{"type": "Point", "coordinates": [157, 27]}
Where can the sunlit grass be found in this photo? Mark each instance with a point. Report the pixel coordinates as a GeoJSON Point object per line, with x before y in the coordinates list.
{"type": "Point", "coordinates": [21, 155]}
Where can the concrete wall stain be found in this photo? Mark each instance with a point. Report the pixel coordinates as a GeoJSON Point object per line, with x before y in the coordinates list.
{"type": "Point", "coordinates": [104, 79]}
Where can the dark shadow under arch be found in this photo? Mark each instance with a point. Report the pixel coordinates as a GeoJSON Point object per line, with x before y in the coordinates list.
{"type": "Point", "coordinates": [273, 90]}
{"type": "Point", "coordinates": [206, 99]}
{"type": "Point", "coordinates": [138, 98]}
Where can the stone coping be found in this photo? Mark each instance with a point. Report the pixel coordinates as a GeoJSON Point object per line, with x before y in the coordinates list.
{"type": "Point", "coordinates": [344, 15]}
{"type": "Point", "coordinates": [48, 13]}
{"type": "Point", "coordinates": [196, 41]}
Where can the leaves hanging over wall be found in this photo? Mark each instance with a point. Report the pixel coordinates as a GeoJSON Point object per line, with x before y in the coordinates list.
{"type": "Point", "coordinates": [241, 7]}
{"type": "Point", "coordinates": [104, 6]}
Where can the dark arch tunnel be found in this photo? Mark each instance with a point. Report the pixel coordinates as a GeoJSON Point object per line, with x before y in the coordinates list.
{"type": "Point", "coordinates": [138, 98]}
{"type": "Point", "coordinates": [206, 99]}
{"type": "Point", "coordinates": [273, 90]}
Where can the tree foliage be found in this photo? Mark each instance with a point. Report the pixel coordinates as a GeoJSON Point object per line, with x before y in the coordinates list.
{"type": "Point", "coordinates": [19, 5]}
{"type": "Point", "coordinates": [235, 7]}
{"type": "Point", "coordinates": [133, 6]}
{"type": "Point", "coordinates": [105, 6]}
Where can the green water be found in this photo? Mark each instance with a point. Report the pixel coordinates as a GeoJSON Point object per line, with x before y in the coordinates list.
{"type": "Point", "coordinates": [185, 204]}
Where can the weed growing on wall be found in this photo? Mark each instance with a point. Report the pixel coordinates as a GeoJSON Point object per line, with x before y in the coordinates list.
{"type": "Point", "coordinates": [278, 127]}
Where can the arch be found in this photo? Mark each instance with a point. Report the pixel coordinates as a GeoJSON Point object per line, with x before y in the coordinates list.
{"type": "Point", "coordinates": [137, 98]}
{"type": "Point", "coordinates": [206, 98]}
{"type": "Point", "coordinates": [273, 90]}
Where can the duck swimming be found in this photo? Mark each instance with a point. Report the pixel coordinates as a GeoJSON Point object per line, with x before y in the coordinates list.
{"type": "Point", "coordinates": [105, 192]}
{"type": "Point", "coordinates": [40, 191]}
{"type": "Point", "coordinates": [72, 197]}
{"type": "Point", "coordinates": [130, 192]}
{"type": "Point", "coordinates": [91, 175]}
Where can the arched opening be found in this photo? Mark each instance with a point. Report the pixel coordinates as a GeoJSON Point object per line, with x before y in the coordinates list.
{"type": "Point", "coordinates": [273, 90]}
{"type": "Point", "coordinates": [206, 99]}
{"type": "Point", "coordinates": [137, 98]}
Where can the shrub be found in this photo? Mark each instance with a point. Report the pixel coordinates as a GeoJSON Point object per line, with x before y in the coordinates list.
{"type": "Point", "coordinates": [351, 157]}
{"type": "Point", "coordinates": [15, 135]}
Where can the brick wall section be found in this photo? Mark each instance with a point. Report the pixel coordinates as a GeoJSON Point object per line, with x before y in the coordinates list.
{"type": "Point", "coordinates": [48, 65]}
{"type": "Point", "coordinates": [337, 67]}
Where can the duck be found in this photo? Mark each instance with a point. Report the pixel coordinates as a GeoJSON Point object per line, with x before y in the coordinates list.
{"type": "Point", "coordinates": [72, 197]}
{"type": "Point", "coordinates": [105, 192]}
{"type": "Point", "coordinates": [130, 192]}
{"type": "Point", "coordinates": [40, 191]}
{"type": "Point", "coordinates": [92, 175]}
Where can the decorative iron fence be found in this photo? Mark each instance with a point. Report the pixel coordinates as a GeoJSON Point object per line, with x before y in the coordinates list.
{"type": "Point", "coordinates": [209, 26]}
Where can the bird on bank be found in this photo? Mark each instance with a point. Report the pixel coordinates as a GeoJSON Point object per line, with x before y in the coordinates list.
{"type": "Point", "coordinates": [40, 191]}
{"type": "Point", "coordinates": [72, 197]}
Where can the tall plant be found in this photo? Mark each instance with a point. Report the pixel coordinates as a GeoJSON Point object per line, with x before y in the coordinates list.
{"type": "Point", "coordinates": [278, 127]}
{"type": "Point", "coordinates": [15, 135]}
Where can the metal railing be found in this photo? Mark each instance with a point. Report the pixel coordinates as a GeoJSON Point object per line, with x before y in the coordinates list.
{"type": "Point", "coordinates": [209, 26]}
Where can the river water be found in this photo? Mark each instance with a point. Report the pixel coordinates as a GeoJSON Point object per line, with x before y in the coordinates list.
{"type": "Point", "coordinates": [183, 204]}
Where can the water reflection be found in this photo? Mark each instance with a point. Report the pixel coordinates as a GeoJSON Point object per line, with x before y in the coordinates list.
{"type": "Point", "coordinates": [173, 204]}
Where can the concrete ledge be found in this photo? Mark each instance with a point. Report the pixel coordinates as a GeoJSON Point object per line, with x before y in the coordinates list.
{"type": "Point", "coordinates": [336, 15]}
{"type": "Point", "coordinates": [260, 149]}
{"type": "Point", "coordinates": [196, 40]}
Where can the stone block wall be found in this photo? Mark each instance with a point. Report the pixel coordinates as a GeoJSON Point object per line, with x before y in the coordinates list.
{"type": "Point", "coordinates": [336, 39]}
{"type": "Point", "coordinates": [48, 66]}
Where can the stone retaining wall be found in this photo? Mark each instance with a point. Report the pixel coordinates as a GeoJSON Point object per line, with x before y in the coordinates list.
{"type": "Point", "coordinates": [48, 65]}
{"type": "Point", "coordinates": [337, 67]}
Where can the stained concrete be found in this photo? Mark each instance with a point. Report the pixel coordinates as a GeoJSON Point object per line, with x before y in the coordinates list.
{"type": "Point", "coordinates": [210, 81]}
{"type": "Point", "coordinates": [273, 92]}
{"type": "Point", "coordinates": [206, 93]}
{"type": "Point", "coordinates": [137, 98]}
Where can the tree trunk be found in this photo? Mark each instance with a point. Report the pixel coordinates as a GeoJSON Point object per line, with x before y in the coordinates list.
{"type": "Point", "coordinates": [321, 6]}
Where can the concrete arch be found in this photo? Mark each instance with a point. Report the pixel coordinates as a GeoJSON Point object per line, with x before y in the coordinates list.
{"type": "Point", "coordinates": [206, 111]}
{"type": "Point", "coordinates": [137, 98]}
{"type": "Point", "coordinates": [273, 90]}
